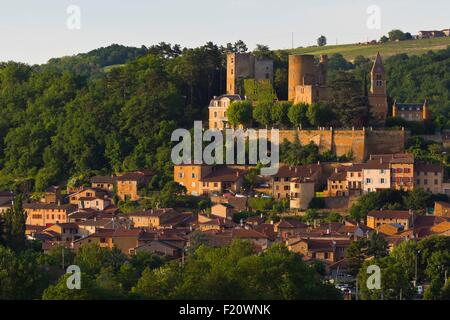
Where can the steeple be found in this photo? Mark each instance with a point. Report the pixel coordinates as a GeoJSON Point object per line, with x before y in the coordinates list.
{"type": "Point", "coordinates": [378, 65]}
{"type": "Point", "coordinates": [378, 93]}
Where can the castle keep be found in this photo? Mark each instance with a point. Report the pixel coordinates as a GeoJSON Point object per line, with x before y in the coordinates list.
{"type": "Point", "coordinates": [307, 81]}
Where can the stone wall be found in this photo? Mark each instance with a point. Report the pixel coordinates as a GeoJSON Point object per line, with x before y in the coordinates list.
{"type": "Point", "coordinates": [361, 142]}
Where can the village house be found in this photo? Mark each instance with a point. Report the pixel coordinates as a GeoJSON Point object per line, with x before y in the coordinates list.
{"type": "Point", "coordinates": [63, 232]}
{"type": "Point", "coordinates": [96, 203]}
{"type": "Point", "coordinates": [337, 185]}
{"type": "Point", "coordinates": [129, 184]}
{"type": "Point", "coordinates": [202, 180]}
{"type": "Point", "coordinates": [403, 218]}
{"type": "Point", "coordinates": [222, 210]}
{"type": "Point", "coordinates": [208, 223]}
{"type": "Point", "coordinates": [280, 183]}
{"type": "Point", "coordinates": [218, 111]}
{"type": "Point", "coordinates": [411, 111]}
{"type": "Point", "coordinates": [74, 198]}
{"type": "Point", "coordinates": [302, 192]}
{"type": "Point", "coordinates": [169, 243]}
{"type": "Point", "coordinates": [89, 227]}
{"type": "Point", "coordinates": [156, 218]}
{"type": "Point", "coordinates": [105, 183]}
{"type": "Point", "coordinates": [327, 250]}
{"type": "Point", "coordinates": [52, 195]}
{"type": "Point", "coordinates": [442, 209]}
{"type": "Point", "coordinates": [355, 178]}
{"type": "Point", "coordinates": [44, 214]}
{"type": "Point", "coordinates": [429, 177]}
{"type": "Point", "coordinates": [376, 176]}
{"type": "Point", "coordinates": [289, 227]}
{"type": "Point", "coordinates": [401, 167]}
{"type": "Point", "coordinates": [126, 240]}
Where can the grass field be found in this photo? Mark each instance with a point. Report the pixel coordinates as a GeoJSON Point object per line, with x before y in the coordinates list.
{"type": "Point", "coordinates": [350, 51]}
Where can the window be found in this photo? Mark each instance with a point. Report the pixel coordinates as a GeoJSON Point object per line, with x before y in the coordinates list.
{"type": "Point", "coordinates": [382, 180]}
{"type": "Point", "coordinates": [193, 175]}
{"type": "Point", "coordinates": [368, 180]}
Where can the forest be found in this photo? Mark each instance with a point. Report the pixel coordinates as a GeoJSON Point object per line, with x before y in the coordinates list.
{"type": "Point", "coordinates": [113, 109]}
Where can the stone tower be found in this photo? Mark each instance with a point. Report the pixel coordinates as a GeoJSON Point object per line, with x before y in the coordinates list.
{"type": "Point", "coordinates": [378, 93]}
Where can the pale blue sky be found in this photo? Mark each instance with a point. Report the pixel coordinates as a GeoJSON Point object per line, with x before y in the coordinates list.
{"type": "Point", "coordinates": [33, 31]}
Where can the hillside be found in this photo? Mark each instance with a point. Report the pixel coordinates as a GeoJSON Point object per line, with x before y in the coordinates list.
{"type": "Point", "coordinates": [350, 51]}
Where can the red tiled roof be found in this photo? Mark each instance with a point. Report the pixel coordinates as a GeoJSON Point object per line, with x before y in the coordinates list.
{"type": "Point", "coordinates": [47, 206]}
{"type": "Point", "coordinates": [103, 179]}
{"type": "Point", "coordinates": [223, 174]}
{"type": "Point", "coordinates": [297, 171]}
{"type": "Point", "coordinates": [390, 214]}
{"type": "Point", "coordinates": [427, 167]}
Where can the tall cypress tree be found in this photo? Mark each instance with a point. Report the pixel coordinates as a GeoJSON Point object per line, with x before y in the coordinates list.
{"type": "Point", "coordinates": [14, 225]}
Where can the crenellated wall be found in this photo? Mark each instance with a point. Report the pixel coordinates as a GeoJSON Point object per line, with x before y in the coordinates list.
{"type": "Point", "coordinates": [361, 143]}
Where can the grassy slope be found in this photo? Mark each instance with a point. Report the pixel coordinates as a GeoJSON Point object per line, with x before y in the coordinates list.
{"type": "Point", "coordinates": [350, 51]}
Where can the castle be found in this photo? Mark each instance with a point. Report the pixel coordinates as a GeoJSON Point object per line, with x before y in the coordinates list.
{"type": "Point", "coordinates": [242, 66]}
{"type": "Point", "coordinates": [307, 84]}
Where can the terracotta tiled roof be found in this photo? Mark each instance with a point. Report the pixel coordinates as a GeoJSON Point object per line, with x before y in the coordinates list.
{"type": "Point", "coordinates": [394, 158]}
{"type": "Point", "coordinates": [390, 214]}
{"type": "Point", "coordinates": [247, 234]}
{"type": "Point", "coordinates": [223, 174]}
{"type": "Point", "coordinates": [427, 167]}
{"type": "Point", "coordinates": [297, 171]}
{"type": "Point", "coordinates": [49, 206]}
{"type": "Point", "coordinates": [135, 176]}
{"type": "Point", "coordinates": [103, 179]}
{"type": "Point", "coordinates": [291, 223]}
{"type": "Point", "coordinates": [338, 176]}
{"type": "Point", "coordinates": [152, 212]}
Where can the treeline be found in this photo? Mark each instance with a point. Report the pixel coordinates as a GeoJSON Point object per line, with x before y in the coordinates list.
{"type": "Point", "coordinates": [232, 272]}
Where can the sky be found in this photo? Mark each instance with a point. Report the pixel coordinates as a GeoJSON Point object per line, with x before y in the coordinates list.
{"type": "Point", "coordinates": [34, 31]}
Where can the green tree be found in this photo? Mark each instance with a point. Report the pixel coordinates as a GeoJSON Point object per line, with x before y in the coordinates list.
{"type": "Point", "coordinates": [263, 113]}
{"type": "Point", "coordinates": [14, 225]}
{"type": "Point", "coordinates": [298, 115]}
{"type": "Point", "coordinates": [322, 41]}
{"type": "Point", "coordinates": [240, 113]}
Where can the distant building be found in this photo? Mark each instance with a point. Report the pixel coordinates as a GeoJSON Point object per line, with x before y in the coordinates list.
{"type": "Point", "coordinates": [156, 218]}
{"type": "Point", "coordinates": [242, 66]}
{"type": "Point", "coordinates": [44, 214]}
{"type": "Point", "coordinates": [377, 176]}
{"type": "Point", "coordinates": [378, 92]}
{"type": "Point", "coordinates": [280, 183]}
{"type": "Point", "coordinates": [105, 183]}
{"type": "Point", "coordinates": [306, 80]}
{"type": "Point", "coordinates": [337, 185]}
{"type": "Point", "coordinates": [442, 209]}
{"type": "Point", "coordinates": [202, 180]}
{"type": "Point", "coordinates": [129, 184]}
{"type": "Point", "coordinates": [429, 177]}
{"type": "Point", "coordinates": [401, 167]}
{"type": "Point", "coordinates": [375, 219]}
{"type": "Point", "coordinates": [302, 192]}
{"type": "Point", "coordinates": [218, 111]}
{"type": "Point", "coordinates": [411, 111]}
{"type": "Point", "coordinates": [433, 34]}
